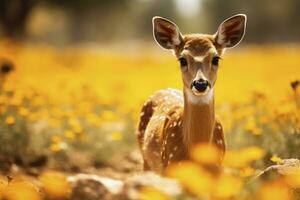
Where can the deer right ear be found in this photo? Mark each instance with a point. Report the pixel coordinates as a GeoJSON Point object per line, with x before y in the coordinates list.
{"type": "Point", "coordinates": [166, 33]}
{"type": "Point", "coordinates": [231, 31]}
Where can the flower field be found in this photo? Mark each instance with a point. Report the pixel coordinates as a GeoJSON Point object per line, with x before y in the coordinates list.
{"type": "Point", "coordinates": [63, 111]}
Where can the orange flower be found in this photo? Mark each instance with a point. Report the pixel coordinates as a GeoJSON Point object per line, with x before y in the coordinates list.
{"type": "Point", "coordinates": [206, 154]}
{"type": "Point", "coordinates": [55, 185]}
{"type": "Point", "coordinates": [20, 190]}
{"type": "Point", "coordinates": [193, 177]}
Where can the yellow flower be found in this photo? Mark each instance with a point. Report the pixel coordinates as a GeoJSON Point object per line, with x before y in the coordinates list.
{"type": "Point", "coordinates": [108, 115]}
{"type": "Point", "coordinates": [116, 136]}
{"type": "Point", "coordinates": [55, 147]}
{"type": "Point", "coordinates": [56, 138]}
{"type": "Point", "coordinates": [263, 119]}
{"type": "Point", "coordinates": [93, 119]}
{"type": "Point", "coordinates": [16, 101]}
{"type": "Point", "coordinates": [243, 157]}
{"type": "Point", "coordinates": [55, 185]}
{"type": "Point", "coordinates": [274, 191]}
{"type": "Point", "coordinates": [193, 177]}
{"type": "Point", "coordinates": [256, 131]}
{"type": "Point", "coordinates": [23, 111]}
{"type": "Point", "coordinates": [3, 99]}
{"type": "Point", "coordinates": [227, 186]}
{"type": "Point", "coordinates": [250, 125]}
{"type": "Point", "coordinates": [20, 190]}
{"type": "Point", "coordinates": [293, 179]}
{"type": "Point", "coordinates": [3, 185]}
{"type": "Point", "coordinates": [206, 154]}
{"type": "Point", "coordinates": [276, 159]}
{"type": "Point", "coordinates": [69, 134]}
{"type": "Point", "coordinates": [10, 120]}
{"type": "Point", "coordinates": [77, 128]}
{"type": "Point", "coordinates": [247, 172]}
{"type": "Point", "coordinates": [149, 193]}
{"type": "Point", "coordinates": [74, 122]}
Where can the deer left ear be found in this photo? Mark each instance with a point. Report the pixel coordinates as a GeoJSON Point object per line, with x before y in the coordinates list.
{"type": "Point", "coordinates": [231, 31]}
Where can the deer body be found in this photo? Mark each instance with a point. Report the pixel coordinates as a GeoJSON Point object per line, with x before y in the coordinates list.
{"type": "Point", "coordinates": [173, 122]}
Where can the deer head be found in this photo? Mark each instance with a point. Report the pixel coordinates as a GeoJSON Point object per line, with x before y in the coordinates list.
{"type": "Point", "coordinates": [199, 54]}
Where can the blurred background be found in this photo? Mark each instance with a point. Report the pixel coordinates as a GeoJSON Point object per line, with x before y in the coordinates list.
{"type": "Point", "coordinates": [65, 22]}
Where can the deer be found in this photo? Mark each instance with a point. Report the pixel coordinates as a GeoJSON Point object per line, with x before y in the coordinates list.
{"type": "Point", "coordinates": [173, 122]}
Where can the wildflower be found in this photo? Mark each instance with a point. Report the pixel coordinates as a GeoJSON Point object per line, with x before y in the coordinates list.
{"type": "Point", "coordinates": [108, 115]}
{"type": "Point", "coordinates": [55, 185]}
{"type": "Point", "coordinates": [19, 190]}
{"type": "Point", "coordinates": [243, 157]}
{"type": "Point", "coordinates": [263, 119]}
{"type": "Point", "coordinates": [227, 186]}
{"type": "Point", "coordinates": [3, 185]}
{"type": "Point", "coordinates": [206, 154]}
{"type": "Point", "coordinates": [274, 191]}
{"type": "Point", "coordinates": [256, 131]}
{"type": "Point", "coordinates": [276, 159]}
{"type": "Point", "coordinates": [10, 120]}
{"type": "Point", "coordinates": [69, 134]}
{"type": "Point", "coordinates": [23, 111]}
{"type": "Point", "coordinates": [56, 138]}
{"type": "Point", "coordinates": [149, 193]}
{"type": "Point", "coordinates": [116, 136]}
{"type": "Point", "coordinates": [55, 147]}
{"type": "Point", "coordinates": [193, 177]}
{"type": "Point", "coordinates": [247, 172]}
{"type": "Point", "coordinates": [293, 179]}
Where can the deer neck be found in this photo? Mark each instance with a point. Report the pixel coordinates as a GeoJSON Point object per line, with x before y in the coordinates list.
{"type": "Point", "coordinates": [198, 118]}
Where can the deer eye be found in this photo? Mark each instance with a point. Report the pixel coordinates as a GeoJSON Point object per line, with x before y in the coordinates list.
{"type": "Point", "coordinates": [215, 60]}
{"type": "Point", "coordinates": [183, 62]}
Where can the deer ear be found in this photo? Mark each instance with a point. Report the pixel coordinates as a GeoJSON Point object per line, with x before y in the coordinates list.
{"type": "Point", "coordinates": [166, 33]}
{"type": "Point", "coordinates": [231, 31]}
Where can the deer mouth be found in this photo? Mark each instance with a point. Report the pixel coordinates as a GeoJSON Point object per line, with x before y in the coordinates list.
{"type": "Point", "coordinates": [203, 92]}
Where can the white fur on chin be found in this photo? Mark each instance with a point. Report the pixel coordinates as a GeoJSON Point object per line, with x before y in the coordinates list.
{"type": "Point", "coordinates": [205, 98]}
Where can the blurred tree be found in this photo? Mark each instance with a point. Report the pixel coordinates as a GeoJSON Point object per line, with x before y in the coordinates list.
{"type": "Point", "coordinates": [15, 13]}
{"type": "Point", "coordinates": [13, 16]}
{"type": "Point", "coordinates": [100, 15]}
{"type": "Point", "coordinates": [268, 20]}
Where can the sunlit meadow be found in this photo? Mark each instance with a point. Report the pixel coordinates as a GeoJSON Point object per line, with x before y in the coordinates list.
{"type": "Point", "coordinates": [78, 108]}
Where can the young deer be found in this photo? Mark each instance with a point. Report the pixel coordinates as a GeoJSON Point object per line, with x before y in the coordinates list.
{"type": "Point", "coordinates": [171, 123]}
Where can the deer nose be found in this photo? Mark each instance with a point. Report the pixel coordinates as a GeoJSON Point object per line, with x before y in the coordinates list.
{"type": "Point", "coordinates": [200, 85]}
